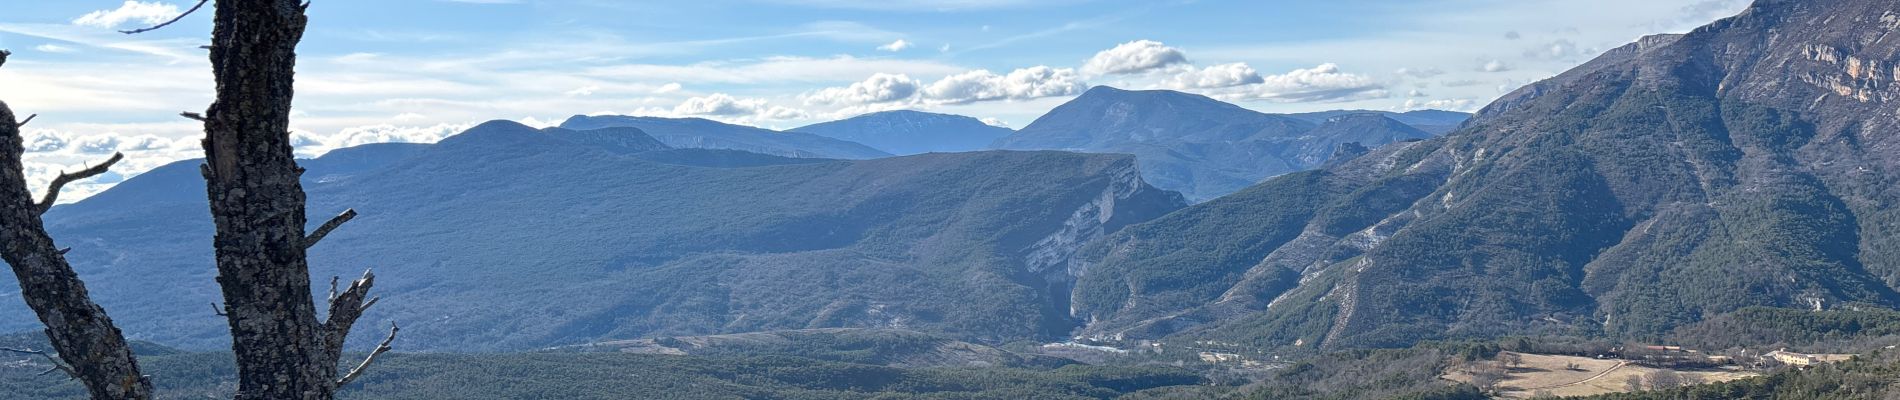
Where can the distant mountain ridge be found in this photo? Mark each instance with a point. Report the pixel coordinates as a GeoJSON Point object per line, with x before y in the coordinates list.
{"type": "Point", "coordinates": [506, 237]}
{"type": "Point", "coordinates": [701, 133]}
{"type": "Point", "coordinates": [1749, 162]}
{"type": "Point", "coordinates": [1203, 147]}
{"type": "Point", "coordinates": [907, 132]}
{"type": "Point", "coordinates": [1437, 122]}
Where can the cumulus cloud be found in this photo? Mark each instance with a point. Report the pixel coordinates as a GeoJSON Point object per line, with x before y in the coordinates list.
{"type": "Point", "coordinates": [1134, 57]}
{"type": "Point", "coordinates": [995, 122]}
{"type": "Point", "coordinates": [879, 88]}
{"type": "Point", "coordinates": [1021, 84]}
{"type": "Point", "coordinates": [1494, 66]}
{"type": "Point", "coordinates": [1214, 77]}
{"type": "Point", "coordinates": [583, 91]}
{"type": "Point", "coordinates": [97, 144]}
{"type": "Point", "coordinates": [304, 139]}
{"type": "Point", "coordinates": [1420, 73]}
{"type": "Point", "coordinates": [897, 46]}
{"type": "Point", "coordinates": [724, 105]}
{"type": "Point", "coordinates": [1440, 104]}
{"type": "Point", "coordinates": [1323, 83]}
{"type": "Point", "coordinates": [132, 11]}
{"type": "Point", "coordinates": [1559, 50]}
{"type": "Point", "coordinates": [386, 133]}
{"type": "Point", "coordinates": [45, 140]}
{"type": "Point", "coordinates": [144, 143]}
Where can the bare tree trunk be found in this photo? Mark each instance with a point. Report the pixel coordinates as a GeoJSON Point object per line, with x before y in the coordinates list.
{"type": "Point", "coordinates": [251, 175]}
{"type": "Point", "coordinates": [84, 337]}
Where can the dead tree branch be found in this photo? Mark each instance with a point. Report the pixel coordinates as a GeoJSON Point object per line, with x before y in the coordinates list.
{"type": "Point", "coordinates": [79, 330]}
{"type": "Point", "coordinates": [57, 366]}
{"type": "Point", "coordinates": [346, 307]}
{"type": "Point", "coordinates": [192, 116]}
{"type": "Point", "coordinates": [380, 349]}
{"type": "Point", "coordinates": [324, 230]}
{"type": "Point", "coordinates": [65, 178]}
{"type": "Point", "coordinates": [201, 4]}
{"type": "Point", "coordinates": [29, 118]}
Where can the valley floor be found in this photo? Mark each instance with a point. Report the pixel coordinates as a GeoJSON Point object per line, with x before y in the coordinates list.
{"type": "Point", "coordinates": [1539, 374]}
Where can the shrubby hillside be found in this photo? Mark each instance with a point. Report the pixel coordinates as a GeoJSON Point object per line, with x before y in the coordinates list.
{"type": "Point", "coordinates": [1670, 181]}
{"type": "Point", "coordinates": [506, 238]}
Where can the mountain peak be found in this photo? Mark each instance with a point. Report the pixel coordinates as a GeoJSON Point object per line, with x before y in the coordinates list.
{"type": "Point", "coordinates": [495, 132]}
{"type": "Point", "coordinates": [905, 132]}
{"type": "Point", "coordinates": [701, 133]}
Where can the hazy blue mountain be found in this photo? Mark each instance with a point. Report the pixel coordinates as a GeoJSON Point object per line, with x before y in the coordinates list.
{"type": "Point", "coordinates": [1748, 163]}
{"type": "Point", "coordinates": [1438, 122]}
{"type": "Point", "coordinates": [911, 132]}
{"type": "Point", "coordinates": [698, 133]}
{"type": "Point", "coordinates": [1199, 146]}
{"type": "Point", "coordinates": [508, 237]}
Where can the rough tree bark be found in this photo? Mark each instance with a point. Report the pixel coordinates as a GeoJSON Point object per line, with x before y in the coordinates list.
{"type": "Point", "coordinates": [79, 329]}
{"type": "Point", "coordinates": [257, 203]}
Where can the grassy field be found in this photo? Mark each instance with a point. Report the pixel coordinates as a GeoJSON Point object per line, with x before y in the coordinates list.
{"type": "Point", "coordinates": [1548, 373]}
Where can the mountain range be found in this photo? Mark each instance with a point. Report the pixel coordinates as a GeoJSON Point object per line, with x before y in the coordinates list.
{"type": "Point", "coordinates": [1668, 182]}
{"type": "Point", "coordinates": [1205, 148]}
{"type": "Point", "coordinates": [699, 133]}
{"type": "Point", "coordinates": [507, 237]}
{"type": "Point", "coordinates": [1750, 162]}
{"type": "Point", "coordinates": [907, 132]}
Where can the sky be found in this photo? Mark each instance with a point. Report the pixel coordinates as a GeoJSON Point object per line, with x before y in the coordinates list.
{"type": "Point", "coordinates": [418, 70]}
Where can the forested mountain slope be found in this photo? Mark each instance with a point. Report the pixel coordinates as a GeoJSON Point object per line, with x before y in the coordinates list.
{"type": "Point", "coordinates": [1202, 147]}
{"type": "Point", "coordinates": [1751, 162]}
{"type": "Point", "coordinates": [506, 237]}
{"type": "Point", "coordinates": [906, 132]}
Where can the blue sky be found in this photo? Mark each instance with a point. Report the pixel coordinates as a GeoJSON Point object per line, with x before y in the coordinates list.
{"type": "Point", "coordinates": [416, 70]}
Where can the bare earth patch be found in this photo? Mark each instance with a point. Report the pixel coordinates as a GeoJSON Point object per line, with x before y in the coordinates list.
{"type": "Point", "coordinates": [1548, 373]}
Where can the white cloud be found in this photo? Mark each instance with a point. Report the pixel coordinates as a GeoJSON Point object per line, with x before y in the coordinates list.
{"type": "Point", "coordinates": [45, 140]}
{"type": "Point", "coordinates": [1021, 84]}
{"type": "Point", "coordinates": [386, 133]}
{"type": "Point", "coordinates": [667, 88]}
{"type": "Point", "coordinates": [132, 11]}
{"type": "Point", "coordinates": [583, 91]}
{"type": "Point", "coordinates": [1323, 83]}
{"type": "Point", "coordinates": [1494, 66]}
{"type": "Point", "coordinates": [1560, 50]}
{"type": "Point", "coordinates": [1420, 72]}
{"type": "Point", "coordinates": [879, 88]}
{"type": "Point", "coordinates": [97, 144]}
{"type": "Point", "coordinates": [1134, 57]}
{"type": "Point", "coordinates": [145, 143]}
{"type": "Point", "coordinates": [1440, 104]}
{"type": "Point", "coordinates": [53, 48]}
{"type": "Point", "coordinates": [1215, 77]}
{"type": "Point", "coordinates": [538, 123]}
{"type": "Point", "coordinates": [995, 122]}
{"type": "Point", "coordinates": [897, 46]}
{"type": "Point", "coordinates": [724, 105]}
